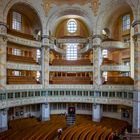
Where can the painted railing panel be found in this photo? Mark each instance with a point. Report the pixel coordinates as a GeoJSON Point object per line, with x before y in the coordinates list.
{"type": "Point", "coordinates": [71, 68]}
{"type": "Point", "coordinates": [17, 66]}
{"type": "Point", "coordinates": [23, 41]}
{"type": "Point", "coordinates": [123, 68]}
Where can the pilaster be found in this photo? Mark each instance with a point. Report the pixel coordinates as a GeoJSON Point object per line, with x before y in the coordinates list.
{"type": "Point", "coordinates": [97, 112]}
{"type": "Point", "coordinates": [45, 61]}
{"type": "Point", "coordinates": [136, 100]}
{"type": "Point", "coordinates": [3, 46]}
{"type": "Point", "coordinates": [3, 120]}
{"type": "Point", "coordinates": [45, 112]}
{"type": "Point", "coordinates": [97, 60]}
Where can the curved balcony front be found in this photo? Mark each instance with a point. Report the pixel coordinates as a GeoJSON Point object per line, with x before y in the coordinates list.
{"type": "Point", "coordinates": [111, 44]}
{"type": "Point", "coordinates": [23, 41]}
{"type": "Point", "coordinates": [71, 68]}
{"type": "Point", "coordinates": [110, 67]}
{"type": "Point", "coordinates": [19, 98]}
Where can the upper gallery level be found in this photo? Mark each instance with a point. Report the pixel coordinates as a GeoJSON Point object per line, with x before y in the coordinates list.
{"type": "Point", "coordinates": [22, 21]}
{"type": "Point", "coordinates": [71, 57]}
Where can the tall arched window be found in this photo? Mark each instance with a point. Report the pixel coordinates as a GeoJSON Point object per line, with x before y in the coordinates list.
{"type": "Point", "coordinates": [16, 21]}
{"type": "Point", "coordinates": [126, 22]}
{"type": "Point", "coordinates": [71, 51]}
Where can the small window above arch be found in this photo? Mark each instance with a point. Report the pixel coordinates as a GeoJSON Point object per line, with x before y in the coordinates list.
{"type": "Point", "coordinates": [72, 25]}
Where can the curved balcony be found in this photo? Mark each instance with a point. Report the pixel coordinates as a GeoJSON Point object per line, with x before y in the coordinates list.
{"type": "Point", "coordinates": [18, 98]}
{"type": "Point", "coordinates": [61, 62]}
{"type": "Point", "coordinates": [19, 66]}
{"type": "Point", "coordinates": [72, 40]}
{"type": "Point", "coordinates": [24, 86]}
{"type": "Point", "coordinates": [122, 68]}
{"type": "Point", "coordinates": [109, 44]}
{"type": "Point", "coordinates": [57, 49]}
{"type": "Point", "coordinates": [71, 68]}
{"type": "Point", "coordinates": [71, 80]}
{"type": "Point", "coordinates": [21, 59]}
{"type": "Point", "coordinates": [23, 41]}
{"type": "Point", "coordinates": [101, 100]}
{"type": "Point", "coordinates": [85, 49]}
{"type": "Point", "coordinates": [120, 80]}
{"type": "Point", "coordinates": [21, 80]}
{"type": "Point", "coordinates": [71, 87]}
{"type": "Point", "coordinates": [91, 87]}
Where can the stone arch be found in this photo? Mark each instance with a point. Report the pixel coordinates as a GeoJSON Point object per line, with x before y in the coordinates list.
{"type": "Point", "coordinates": [11, 3]}
{"type": "Point", "coordinates": [65, 11]}
{"type": "Point", "coordinates": [109, 10]}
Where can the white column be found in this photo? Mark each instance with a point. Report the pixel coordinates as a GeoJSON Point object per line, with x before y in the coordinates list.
{"type": "Point", "coordinates": [97, 60]}
{"type": "Point", "coordinates": [136, 112]}
{"type": "Point", "coordinates": [97, 112]}
{"type": "Point", "coordinates": [3, 120]}
{"type": "Point", "coordinates": [136, 99]}
{"type": "Point", "coordinates": [45, 112]}
{"type": "Point", "coordinates": [3, 45]}
{"type": "Point", "coordinates": [45, 61]}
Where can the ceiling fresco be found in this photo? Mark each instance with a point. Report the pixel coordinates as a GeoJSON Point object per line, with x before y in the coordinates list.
{"type": "Point", "coordinates": [47, 4]}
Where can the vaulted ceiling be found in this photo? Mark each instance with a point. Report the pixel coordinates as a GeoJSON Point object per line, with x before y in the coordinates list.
{"type": "Point", "coordinates": [94, 3]}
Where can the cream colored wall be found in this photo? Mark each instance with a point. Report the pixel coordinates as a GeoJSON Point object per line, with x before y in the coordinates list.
{"type": "Point", "coordinates": [61, 29]}
{"type": "Point", "coordinates": [26, 26]}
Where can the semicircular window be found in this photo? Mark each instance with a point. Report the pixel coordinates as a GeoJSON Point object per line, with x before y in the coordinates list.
{"type": "Point", "coordinates": [72, 26]}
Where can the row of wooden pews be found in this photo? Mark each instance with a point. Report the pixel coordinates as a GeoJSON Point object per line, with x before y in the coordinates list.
{"type": "Point", "coordinates": [107, 61]}
{"type": "Point", "coordinates": [22, 35]}
{"type": "Point", "coordinates": [21, 59]}
{"type": "Point", "coordinates": [124, 80]}
{"type": "Point", "coordinates": [71, 80]}
{"type": "Point", "coordinates": [21, 80]}
{"type": "Point", "coordinates": [84, 129]}
{"type": "Point", "coordinates": [62, 62]}
{"type": "Point", "coordinates": [87, 132]}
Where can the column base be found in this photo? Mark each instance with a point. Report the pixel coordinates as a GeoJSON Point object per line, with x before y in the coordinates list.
{"type": "Point", "coordinates": [3, 129]}
{"type": "Point", "coordinates": [136, 131]}
{"type": "Point", "coordinates": [45, 119]}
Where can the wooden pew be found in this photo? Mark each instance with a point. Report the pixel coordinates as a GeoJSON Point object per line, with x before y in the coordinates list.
{"type": "Point", "coordinates": [21, 59]}
{"type": "Point", "coordinates": [99, 133]}
{"type": "Point", "coordinates": [21, 80]}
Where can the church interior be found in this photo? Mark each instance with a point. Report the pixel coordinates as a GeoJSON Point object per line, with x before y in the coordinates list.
{"type": "Point", "coordinates": [72, 66]}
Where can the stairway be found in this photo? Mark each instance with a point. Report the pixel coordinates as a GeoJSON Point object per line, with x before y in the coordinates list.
{"type": "Point", "coordinates": [70, 120]}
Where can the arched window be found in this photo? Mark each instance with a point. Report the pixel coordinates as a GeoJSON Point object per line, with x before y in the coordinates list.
{"type": "Point", "coordinates": [71, 52]}
{"type": "Point", "coordinates": [72, 26]}
{"type": "Point", "coordinates": [16, 21]}
{"type": "Point", "coordinates": [126, 22]}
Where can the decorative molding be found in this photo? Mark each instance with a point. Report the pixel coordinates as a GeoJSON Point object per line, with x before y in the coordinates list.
{"type": "Point", "coordinates": [24, 87]}
{"type": "Point", "coordinates": [84, 40]}
{"type": "Point", "coordinates": [92, 87]}
{"type": "Point", "coordinates": [123, 68]}
{"type": "Point", "coordinates": [116, 87]}
{"type": "Point", "coordinates": [3, 30]}
{"type": "Point", "coordinates": [52, 99]}
{"type": "Point", "coordinates": [71, 68]}
{"type": "Point", "coordinates": [95, 6]}
{"type": "Point", "coordinates": [85, 49]}
{"type": "Point", "coordinates": [96, 41]}
{"type": "Point", "coordinates": [22, 41]}
{"type": "Point", "coordinates": [11, 65]}
{"type": "Point", "coordinates": [113, 44]}
{"type": "Point", "coordinates": [47, 4]}
{"type": "Point", "coordinates": [24, 101]}
{"type": "Point", "coordinates": [70, 87]}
